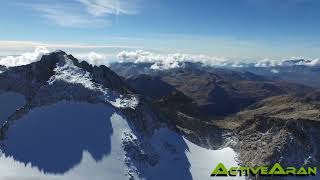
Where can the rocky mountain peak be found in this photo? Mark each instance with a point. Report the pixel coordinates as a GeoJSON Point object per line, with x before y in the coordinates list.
{"type": "Point", "coordinates": [41, 71]}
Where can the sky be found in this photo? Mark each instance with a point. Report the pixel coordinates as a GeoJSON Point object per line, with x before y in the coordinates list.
{"type": "Point", "coordinates": [243, 29]}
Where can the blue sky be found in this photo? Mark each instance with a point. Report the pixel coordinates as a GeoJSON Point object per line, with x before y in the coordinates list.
{"type": "Point", "coordinates": [224, 28]}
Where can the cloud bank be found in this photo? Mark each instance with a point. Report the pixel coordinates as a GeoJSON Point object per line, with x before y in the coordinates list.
{"type": "Point", "coordinates": [285, 63]}
{"type": "Point", "coordinates": [158, 61]}
{"type": "Point", "coordinates": [94, 58]}
{"type": "Point", "coordinates": [25, 58]}
{"type": "Point", "coordinates": [168, 61]}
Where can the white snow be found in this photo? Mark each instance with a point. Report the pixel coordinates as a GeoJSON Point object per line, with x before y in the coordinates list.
{"type": "Point", "coordinates": [178, 157]}
{"type": "Point", "coordinates": [203, 161]}
{"type": "Point", "coordinates": [68, 72]}
{"type": "Point", "coordinates": [25, 58]}
{"type": "Point", "coordinates": [173, 164]}
{"type": "Point", "coordinates": [51, 134]}
{"type": "Point", "coordinates": [122, 102]}
{"type": "Point", "coordinates": [111, 166]}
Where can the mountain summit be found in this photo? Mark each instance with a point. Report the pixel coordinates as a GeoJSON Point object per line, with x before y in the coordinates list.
{"type": "Point", "coordinates": [65, 119]}
{"type": "Point", "coordinates": [59, 115]}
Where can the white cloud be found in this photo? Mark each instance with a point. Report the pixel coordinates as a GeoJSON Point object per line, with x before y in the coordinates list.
{"type": "Point", "coordinates": [19, 47]}
{"type": "Point", "coordinates": [66, 16]}
{"type": "Point", "coordinates": [95, 58]}
{"type": "Point", "coordinates": [287, 62]}
{"type": "Point", "coordinates": [32, 44]}
{"type": "Point", "coordinates": [83, 13]}
{"type": "Point", "coordinates": [158, 61]}
{"type": "Point", "coordinates": [268, 63]}
{"type": "Point", "coordinates": [168, 61]}
{"type": "Point", "coordinates": [30, 57]}
{"type": "Point", "coordinates": [109, 7]}
{"type": "Point", "coordinates": [25, 58]}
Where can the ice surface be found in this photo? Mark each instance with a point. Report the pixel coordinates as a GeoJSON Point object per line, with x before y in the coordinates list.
{"type": "Point", "coordinates": [203, 161]}
{"type": "Point", "coordinates": [72, 140]}
{"type": "Point", "coordinates": [111, 166]}
{"type": "Point", "coordinates": [199, 162]}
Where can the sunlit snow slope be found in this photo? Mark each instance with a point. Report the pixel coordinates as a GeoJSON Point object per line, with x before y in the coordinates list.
{"type": "Point", "coordinates": [72, 120]}
{"type": "Point", "coordinates": [72, 140]}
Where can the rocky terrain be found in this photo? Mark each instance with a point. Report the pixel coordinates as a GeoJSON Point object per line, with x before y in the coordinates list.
{"type": "Point", "coordinates": [58, 79]}
{"type": "Point", "coordinates": [217, 92]}
{"type": "Point", "coordinates": [278, 129]}
{"type": "Point", "coordinates": [266, 120]}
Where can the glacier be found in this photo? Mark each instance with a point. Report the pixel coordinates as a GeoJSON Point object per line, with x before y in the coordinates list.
{"type": "Point", "coordinates": [73, 140]}
{"type": "Point", "coordinates": [76, 121]}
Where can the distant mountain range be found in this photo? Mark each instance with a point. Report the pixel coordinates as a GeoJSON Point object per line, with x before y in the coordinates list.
{"type": "Point", "coordinates": [149, 121]}
{"type": "Point", "coordinates": [297, 71]}
{"type": "Point", "coordinates": [265, 112]}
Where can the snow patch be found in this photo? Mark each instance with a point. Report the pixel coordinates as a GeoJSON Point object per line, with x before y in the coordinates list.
{"type": "Point", "coordinates": [202, 161]}
{"type": "Point", "coordinates": [66, 71]}
{"type": "Point", "coordinates": [111, 166]}
{"type": "Point", "coordinates": [170, 156]}
{"type": "Point", "coordinates": [131, 102]}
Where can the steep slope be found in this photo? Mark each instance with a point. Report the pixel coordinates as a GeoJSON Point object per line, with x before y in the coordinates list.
{"type": "Point", "coordinates": [281, 129]}
{"type": "Point", "coordinates": [203, 95]}
{"type": "Point", "coordinates": [222, 92]}
{"type": "Point", "coordinates": [268, 128]}
{"type": "Point", "coordinates": [69, 116]}
{"type": "Point", "coordinates": [150, 86]}
{"type": "Point", "coordinates": [217, 92]}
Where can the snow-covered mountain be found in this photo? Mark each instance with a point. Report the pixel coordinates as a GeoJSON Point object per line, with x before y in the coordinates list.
{"type": "Point", "coordinates": [65, 119]}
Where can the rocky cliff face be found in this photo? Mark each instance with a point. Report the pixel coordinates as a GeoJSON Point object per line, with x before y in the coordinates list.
{"type": "Point", "coordinates": [60, 77]}
{"type": "Point", "coordinates": [262, 119]}
{"type": "Point", "coordinates": [265, 120]}
{"type": "Point", "coordinates": [265, 140]}
{"type": "Point", "coordinates": [282, 129]}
